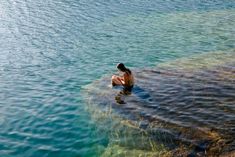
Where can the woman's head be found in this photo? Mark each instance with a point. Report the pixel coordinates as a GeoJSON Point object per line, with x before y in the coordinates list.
{"type": "Point", "coordinates": [121, 67]}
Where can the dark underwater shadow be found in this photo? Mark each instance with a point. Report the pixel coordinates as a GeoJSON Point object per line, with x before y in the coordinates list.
{"type": "Point", "coordinates": [137, 91]}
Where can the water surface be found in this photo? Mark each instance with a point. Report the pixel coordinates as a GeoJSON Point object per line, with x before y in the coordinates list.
{"type": "Point", "coordinates": [50, 50]}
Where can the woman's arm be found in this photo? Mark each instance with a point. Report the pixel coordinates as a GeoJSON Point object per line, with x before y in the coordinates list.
{"type": "Point", "coordinates": [121, 80]}
{"type": "Point", "coordinates": [125, 79]}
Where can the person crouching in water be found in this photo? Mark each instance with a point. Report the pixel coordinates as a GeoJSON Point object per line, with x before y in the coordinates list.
{"type": "Point", "coordinates": [127, 80]}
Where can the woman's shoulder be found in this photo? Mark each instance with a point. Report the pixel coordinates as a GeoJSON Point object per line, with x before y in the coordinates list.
{"type": "Point", "coordinates": [128, 73]}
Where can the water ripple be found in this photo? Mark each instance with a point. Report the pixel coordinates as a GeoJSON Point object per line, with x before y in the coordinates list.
{"type": "Point", "coordinates": [50, 49]}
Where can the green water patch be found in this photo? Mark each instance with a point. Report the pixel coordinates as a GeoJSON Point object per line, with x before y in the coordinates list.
{"type": "Point", "coordinates": [153, 38]}
{"type": "Point", "coordinates": [183, 107]}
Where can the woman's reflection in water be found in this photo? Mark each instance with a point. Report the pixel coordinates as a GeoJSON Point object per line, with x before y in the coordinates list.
{"type": "Point", "coordinates": [120, 96]}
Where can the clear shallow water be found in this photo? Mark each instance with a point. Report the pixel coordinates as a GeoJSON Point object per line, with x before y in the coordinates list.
{"type": "Point", "coordinates": [50, 50]}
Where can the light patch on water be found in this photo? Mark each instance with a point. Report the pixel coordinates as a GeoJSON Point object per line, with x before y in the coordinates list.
{"type": "Point", "coordinates": [117, 150]}
{"type": "Point", "coordinates": [159, 37]}
{"type": "Point", "coordinates": [201, 61]}
{"type": "Point", "coordinates": [2, 12]}
{"type": "Point", "coordinates": [2, 119]}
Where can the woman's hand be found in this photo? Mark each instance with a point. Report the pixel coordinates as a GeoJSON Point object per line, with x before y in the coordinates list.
{"type": "Point", "coordinates": [121, 80]}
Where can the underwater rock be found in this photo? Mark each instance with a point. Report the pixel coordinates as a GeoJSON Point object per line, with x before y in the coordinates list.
{"type": "Point", "coordinates": [173, 109]}
{"type": "Point", "coordinates": [118, 151]}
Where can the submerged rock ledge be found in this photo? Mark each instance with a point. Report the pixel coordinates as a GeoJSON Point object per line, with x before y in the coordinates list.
{"type": "Point", "coordinates": [184, 107]}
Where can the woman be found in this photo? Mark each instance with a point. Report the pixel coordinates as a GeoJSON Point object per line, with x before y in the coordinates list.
{"type": "Point", "coordinates": [127, 80]}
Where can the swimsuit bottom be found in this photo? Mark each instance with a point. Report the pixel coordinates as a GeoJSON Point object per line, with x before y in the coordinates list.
{"type": "Point", "coordinates": [128, 88]}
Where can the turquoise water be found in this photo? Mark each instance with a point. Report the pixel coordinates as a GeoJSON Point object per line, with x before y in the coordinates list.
{"type": "Point", "coordinates": [50, 50]}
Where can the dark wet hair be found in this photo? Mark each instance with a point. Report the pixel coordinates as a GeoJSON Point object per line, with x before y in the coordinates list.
{"type": "Point", "coordinates": [122, 67]}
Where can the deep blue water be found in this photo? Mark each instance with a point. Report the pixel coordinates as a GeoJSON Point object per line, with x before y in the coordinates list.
{"type": "Point", "coordinates": [50, 49]}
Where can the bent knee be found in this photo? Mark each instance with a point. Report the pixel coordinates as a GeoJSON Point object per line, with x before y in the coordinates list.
{"type": "Point", "coordinates": [114, 77]}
